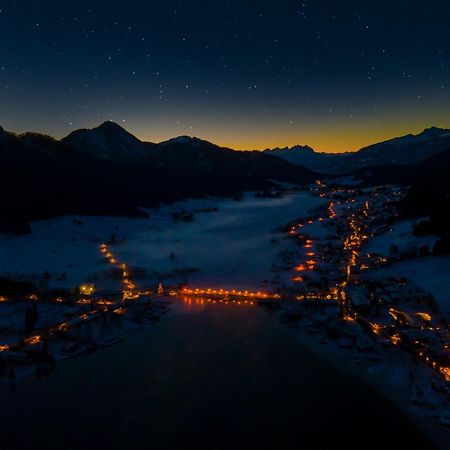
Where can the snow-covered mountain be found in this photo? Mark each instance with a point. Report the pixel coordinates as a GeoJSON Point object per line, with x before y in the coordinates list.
{"type": "Point", "coordinates": [183, 140]}
{"type": "Point", "coordinates": [409, 149]}
{"type": "Point", "coordinates": [303, 155]}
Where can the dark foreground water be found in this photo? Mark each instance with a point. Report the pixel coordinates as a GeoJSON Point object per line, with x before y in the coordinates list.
{"type": "Point", "coordinates": [225, 378]}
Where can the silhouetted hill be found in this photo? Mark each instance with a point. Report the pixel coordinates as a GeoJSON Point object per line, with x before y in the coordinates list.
{"type": "Point", "coordinates": [109, 141]}
{"type": "Point", "coordinates": [429, 194]}
{"type": "Point", "coordinates": [107, 171]}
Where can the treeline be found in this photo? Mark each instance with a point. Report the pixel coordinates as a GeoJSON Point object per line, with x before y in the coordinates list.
{"type": "Point", "coordinates": [429, 196]}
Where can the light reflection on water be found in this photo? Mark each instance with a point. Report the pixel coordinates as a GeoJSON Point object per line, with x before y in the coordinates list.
{"type": "Point", "coordinates": [208, 376]}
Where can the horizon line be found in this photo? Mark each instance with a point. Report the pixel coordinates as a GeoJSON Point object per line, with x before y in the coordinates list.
{"type": "Point", "coordinates": [231, 147]}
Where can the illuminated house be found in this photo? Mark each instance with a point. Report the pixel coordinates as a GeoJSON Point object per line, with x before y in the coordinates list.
{"type": "Point", "coordinates": [86, 289]}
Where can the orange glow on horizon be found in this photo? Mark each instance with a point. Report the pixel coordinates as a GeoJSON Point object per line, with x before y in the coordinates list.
{"type": "Point", "coordinates": [337, 136]}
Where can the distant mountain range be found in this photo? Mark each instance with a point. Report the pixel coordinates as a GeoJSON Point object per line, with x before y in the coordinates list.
{"type": "Point", "coordinates": [409, 149]}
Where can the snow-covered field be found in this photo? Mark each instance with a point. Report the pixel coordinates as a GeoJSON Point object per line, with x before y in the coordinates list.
{"type": "Point", "coordinates": [231, 247]}
{"type": "Point", "coordinates": [430, 273]}
{"type": "Point", "coordinates": [401, 235]}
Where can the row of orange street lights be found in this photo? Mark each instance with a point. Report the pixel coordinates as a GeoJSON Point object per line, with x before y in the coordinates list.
{"type": "Point", "coordinates": [128, 293]}
{"type": "Point", "coordinates": [129, 288]}
{"type": "Point", "coordinates": [310, 264]}
{"type": "Point", "coordinates": [353, 243]}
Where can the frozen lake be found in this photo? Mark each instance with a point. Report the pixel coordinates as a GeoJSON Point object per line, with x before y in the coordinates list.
{"type": "Point", "coordinates": [228, 377]}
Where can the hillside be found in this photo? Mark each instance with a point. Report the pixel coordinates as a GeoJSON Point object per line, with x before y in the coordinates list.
{"type": "Point", "coordinates": [107, 171]}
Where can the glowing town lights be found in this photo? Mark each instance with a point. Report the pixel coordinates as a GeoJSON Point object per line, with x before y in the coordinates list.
{"type": "Point", "coordinates": [4, 348]}
{"type": "Point", "coordinates": [299, 268]}
{"type": "Point", "coordinates": [394, 314]}
{"type": "Point", "coordinates": [424, 316]}
{"type": "Point", "coordinates": [129, 287]}
{"type": "Point", "coordinates": [224, 294]}
{"type": "Point", "coordinates": [310, 254]}
{"type": "Point", "coordinates": [3, 299]}
{"type": "Point", "coordinates": [297, 279]}
{"type": "Point", "coordinates": [445, 371]}
{"type": "Point", "coordinates": [63, 326]}
{"type": "Point", "coordinates": [331, 211]}
{"type": "Point", "coordinates": [376, 328]}
{"type": "Point", "coordinates": [32, 340]}
{"type": "Point", "coordinates": [87, 289]}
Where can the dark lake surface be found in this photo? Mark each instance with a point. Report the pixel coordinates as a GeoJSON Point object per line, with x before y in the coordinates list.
{"type": "Point", "coordinates": [228, 377]}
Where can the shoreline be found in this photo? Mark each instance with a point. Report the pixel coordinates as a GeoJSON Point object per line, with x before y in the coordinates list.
{"type": "Point", "coordinates": [397, 393]}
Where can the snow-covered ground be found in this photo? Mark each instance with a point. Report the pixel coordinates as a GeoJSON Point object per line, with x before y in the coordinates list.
{"type": "Point", "coordinates": [231, 247]}
{"type": "Point", "coordinates": [392, 373]}
{"type": "Point", "coordinates": [431, 273]}
{"type": "Point", "coordinates": [401, 235]}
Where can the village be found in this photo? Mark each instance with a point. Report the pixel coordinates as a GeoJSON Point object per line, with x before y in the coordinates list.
{"type": "Point", "coordinates": [378, 313]}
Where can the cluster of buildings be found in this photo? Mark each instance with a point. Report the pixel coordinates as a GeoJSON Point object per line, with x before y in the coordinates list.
{"type": "Point", "coordinates": [389, 309]}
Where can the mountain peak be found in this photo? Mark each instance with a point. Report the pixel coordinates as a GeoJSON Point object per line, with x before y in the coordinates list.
{"type": "Point", "coordinates": [303, 148]}
{"type": "Point", "coordinates": [107, 141]}
{"type": "Point", "coordinates": [110, 126]}
{"type": "Point", "coordinates": [183, 140]}
{"type": "Point", "coordinates": [434, 131]}
{"type": "Point", "coordinates": [3, 135]}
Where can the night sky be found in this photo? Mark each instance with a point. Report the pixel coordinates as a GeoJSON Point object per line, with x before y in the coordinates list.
{"type": "Point", "coordinates": [335, 75]}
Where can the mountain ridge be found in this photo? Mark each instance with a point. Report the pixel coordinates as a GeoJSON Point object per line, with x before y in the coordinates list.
{"type": "Point", "coordinates": [407, 149]}
{"type": "Point", "coordinates": [96, 139]}
{"type": "Point", "coordinates": [107, 171]}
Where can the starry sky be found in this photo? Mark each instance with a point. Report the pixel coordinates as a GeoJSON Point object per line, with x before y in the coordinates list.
{"type": "Point", "coordinates": [249, 74]}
